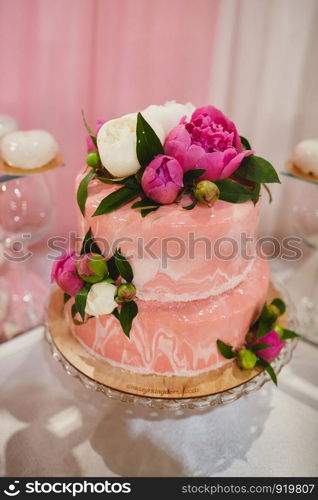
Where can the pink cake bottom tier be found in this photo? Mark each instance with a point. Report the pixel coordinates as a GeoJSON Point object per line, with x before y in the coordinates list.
{"type": "Point", "coordinates": [178, 338]}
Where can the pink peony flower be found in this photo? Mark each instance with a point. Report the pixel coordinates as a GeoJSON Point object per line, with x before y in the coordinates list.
{"type": "Point", "coordinates": [64, 273]}
{"type": "Point", "coordinates": [273, 339]}
{"type": "Point", "coordinates": [209, 141]}
{"type": "Point", "coordinates": [162, 179]}
{"type": "Point", "coordinates": [90, 145]}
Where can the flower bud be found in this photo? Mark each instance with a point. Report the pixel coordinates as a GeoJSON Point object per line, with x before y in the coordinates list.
{"type": "Point", "coordinates": [126, 293]}
{"type": "Point", "coordinates": [206, 192]}
{"type": "Point", "coordinates": [93, 159]}
{"type": "Point", "coordinates": [246, 359]}
{"type": "Point", "coordinates": [279, 330]}
{"type": "Point", "coordinates": [273, 312]}
{"type": "Point", "coordinates": [250, 337]}
{"type": "Point", "coordinates": [92, 267]}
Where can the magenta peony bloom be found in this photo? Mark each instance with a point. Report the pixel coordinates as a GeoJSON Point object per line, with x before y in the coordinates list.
{"type": "Point", "coordinates": [273, 339]}
{"type": "Point", "coordinates": [64, 273]}
{"type": "Point", "coordinates": [209, 141]}
{"type": "Point", "coordinates": [162, 179]}
{"type": "Point", "coordinates": [90, 145]}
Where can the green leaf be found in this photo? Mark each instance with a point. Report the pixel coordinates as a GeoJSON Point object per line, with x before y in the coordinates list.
{"type": "Point", "coordinates": [148, 143]}
{"type": "Point", "coordinates": [129, 182]}
{"type": "Point", "coordinates": [245, 144]}
{"type": "Point", "coordinates": [280, 304]}
{"type": "Point", "coordinates": [145, 203]}
{"type": "Point", "coordinates": [116, 199]}
{"type": "Point", "coordinates": [116, 313]}
{"type": "Point", "coordinates": [127, 313]}
{"type": "Point", "coordinates": [83, 190]}
{"type": "Point", "coordinates": [145, 211]}
{"type": "Point", "coordinates": [74, 310]}
{"type": "Point", "coordinates": [191, 206]}
{"type": "Point", "coordinates": [226, 350]}
{"type": "Point", "coordinates": [107, 180]}
{"type": "Point", "coordinates": [254, 168]}
{"type": "Point", "coordinates": [258, 347]}
{"type": "Point", "coordinates": [66, 297]}
{"type": "Point", "coordinates": [89, 131]}
{"type": "Point", "coordinates": [112, 268]}
{"type": "Point", "coordinates": [234, 192]}
{"type": "Point", "coordinates": [268, 368]}
{"type": "Point", "coordinates": [146, 206]}
{"type": "Point", "coordinates": [289, 334]}
{"type": "Point", "coordinates": [139, 174]}
{"type": "Point", "coordinates": [123, 266]}
{"type": "Point", "coordinates": [193, 175]}
{"type": "Point", "coordinates": [80, 301]}
{"type": "Point", "coordinates": [89, 245]}
{"type": "Point", "coordinates": [270, 198]}
{"type": "Point", "coordinates": [265, 326]}
{"type": "Point", "coordinates": [256, 191]}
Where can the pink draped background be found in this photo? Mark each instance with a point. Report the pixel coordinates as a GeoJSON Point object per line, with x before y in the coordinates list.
{"type": "Point", "coordinates": [108, 57]}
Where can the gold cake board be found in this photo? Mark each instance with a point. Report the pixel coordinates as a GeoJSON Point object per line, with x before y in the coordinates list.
{"type": "Point", "coordinates": [296, 172]}
{"type": "Point", "coordinates": [174, 387]}
{"type": "Point", "coordinates": [58, 161]}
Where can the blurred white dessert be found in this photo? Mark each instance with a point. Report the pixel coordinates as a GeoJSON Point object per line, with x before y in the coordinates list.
{"type": "Point", "coordinates": [28, 151]}
{"type": "Point", "coordinates": [7, 125]}
{"type": "Point", "coordinates": [304, 160]}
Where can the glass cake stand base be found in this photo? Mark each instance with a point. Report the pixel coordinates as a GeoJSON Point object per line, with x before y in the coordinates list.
{"type": "Point", "coordinates": [208, 390]}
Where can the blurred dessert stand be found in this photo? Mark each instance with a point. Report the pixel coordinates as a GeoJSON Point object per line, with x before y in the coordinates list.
{"type": "Point", "coordinates": [25, 217]}
{"type": "Point", "coordinates": [301, 277]}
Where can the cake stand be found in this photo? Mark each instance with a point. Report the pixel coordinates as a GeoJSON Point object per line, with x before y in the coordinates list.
{"type": "Point", "coordinates": [210, 389]}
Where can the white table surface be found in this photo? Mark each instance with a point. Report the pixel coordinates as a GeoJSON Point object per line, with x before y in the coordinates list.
{"type": "Point", "coordinates": [51, 425]}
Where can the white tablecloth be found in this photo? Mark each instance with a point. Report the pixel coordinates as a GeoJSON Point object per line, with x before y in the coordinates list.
{"type": "Point", "coordinates": [51, 425]}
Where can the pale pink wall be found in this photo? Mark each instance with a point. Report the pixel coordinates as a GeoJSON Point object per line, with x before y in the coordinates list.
{"type": "Point", "coordinates": [106, 56]}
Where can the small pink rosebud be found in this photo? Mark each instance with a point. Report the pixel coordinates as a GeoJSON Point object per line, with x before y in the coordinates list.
{"type": "Point", "coordinates": [273, 311]}
{"type": "Point", "coordinates": [246, 359]}
{"type": "Point", "coordinates": [279, 330]}
{"type": "Point", "coordinates": [126, 292]}
{"type": "Point", "coordinates": [206, 192]}
{"type": "Point", "coordinates": [92, 267]}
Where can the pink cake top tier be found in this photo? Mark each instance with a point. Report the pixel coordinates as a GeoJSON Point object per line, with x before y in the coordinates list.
{"type": "Point", "coordinates": [176, 254]}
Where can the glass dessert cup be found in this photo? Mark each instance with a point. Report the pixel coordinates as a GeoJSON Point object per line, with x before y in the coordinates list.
{"type": "Point", "coordinates": [25, 217]}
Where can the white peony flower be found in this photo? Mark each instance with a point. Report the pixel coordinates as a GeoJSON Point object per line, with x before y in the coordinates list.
{"type": "Point", "coordinates": [116, 142]}
{"type": "Point", "coordinates": [168, 115]}
{"type": "Point", "coordinates": [305, 156]}
{"type": "Point", "coordinates": [101, 299]}
{"type": "Point", "coordinates": [28, 149]}
{"type": "Point", "coordinates": [116, 139]}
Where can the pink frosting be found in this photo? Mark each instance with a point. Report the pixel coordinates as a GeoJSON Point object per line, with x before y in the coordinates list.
{"type": "Point", "coordinates": [178, 338]}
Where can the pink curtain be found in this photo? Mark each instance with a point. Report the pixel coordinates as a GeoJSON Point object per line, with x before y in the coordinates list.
{"type": "Point", "coordinates": [108, 57]}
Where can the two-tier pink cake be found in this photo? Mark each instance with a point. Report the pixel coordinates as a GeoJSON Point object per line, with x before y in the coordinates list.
{"type": "Point", "coordinates": [193, 255]}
